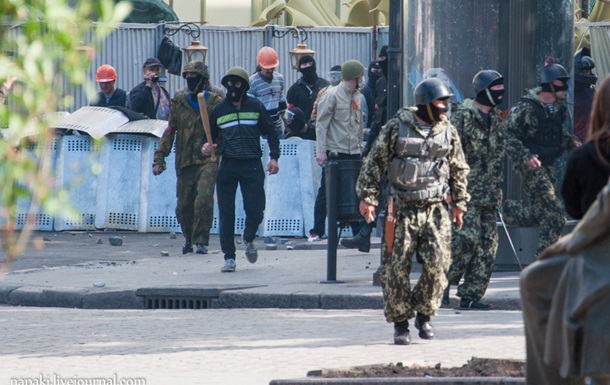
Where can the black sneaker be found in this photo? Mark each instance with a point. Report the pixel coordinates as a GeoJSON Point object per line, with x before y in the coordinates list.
{"type": "Point", "coordinates": [401, 333]}
{"type": "Point", "coordinates": [466, 304]}
{"type": "Point", "coordinates": [187, 247]}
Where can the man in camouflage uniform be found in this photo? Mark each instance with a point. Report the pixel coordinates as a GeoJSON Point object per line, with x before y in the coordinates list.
{"type": "Point", "coordinates": [473, 249]}
{"type": "Point", "coordinates": [422, 153]}
{"type": "Point", "coordinates": [196, 173]}
{"type": "Point", "coordinates": [536, 140]}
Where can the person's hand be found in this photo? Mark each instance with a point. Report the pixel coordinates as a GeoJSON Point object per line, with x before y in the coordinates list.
{"type": "Point", "coordinates": [576, 143]}
{"type": "Point", "coordinates": [367, 211]}
{"type": "Point", "coordinates": [207, 150]}
{"type": "Point", "coordinates": [321, 158]}
{"type": "Point", "coordinates": [158, 169]}
{"type": "Point", "coordinates": [148, 75]}
{"type": "Point", "coordinates": [457, 217]}
{"type": "Point", "coordinates": [559, 247]}
{"type": "Point", "coordinates": [272, 167]}
{"type": "Point", "coordinates": [533, 163]}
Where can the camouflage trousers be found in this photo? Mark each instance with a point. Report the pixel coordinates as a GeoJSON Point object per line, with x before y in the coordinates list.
{"type": "Point", "coordinates": [473, 252]}
{"type": "Point", "coordinates": [542, 207]}
{"type": "Point", "coordinates": [426, 231]}
{"type": "Point", "coordinates": [195, 193]}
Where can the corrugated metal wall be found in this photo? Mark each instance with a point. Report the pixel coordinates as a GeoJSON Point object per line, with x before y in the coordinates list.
{"type": "Point", "coordinates": [128, 46]}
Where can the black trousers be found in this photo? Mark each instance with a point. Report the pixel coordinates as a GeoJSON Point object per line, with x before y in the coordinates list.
{"type": "Point", "coordinates": [250, 176]}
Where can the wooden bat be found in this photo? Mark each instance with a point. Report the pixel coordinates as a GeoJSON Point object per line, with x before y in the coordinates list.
{"type": "Point", "coordinates": [203, 110]}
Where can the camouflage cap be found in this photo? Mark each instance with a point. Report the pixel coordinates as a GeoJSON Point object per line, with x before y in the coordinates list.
{"type": "Point", "coordinates": [198, 67]}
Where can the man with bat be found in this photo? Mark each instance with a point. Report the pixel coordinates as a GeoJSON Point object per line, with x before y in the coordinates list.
{"type": "Point", "coordinates": [195, 172]}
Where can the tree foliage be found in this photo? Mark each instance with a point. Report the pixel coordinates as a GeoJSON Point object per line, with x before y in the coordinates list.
{"type": "Point", "coordinates": [41, 55]}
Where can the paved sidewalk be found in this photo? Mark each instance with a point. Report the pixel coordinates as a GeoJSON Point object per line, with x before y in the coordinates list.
{"type": "Point", "coordinates": [305, 325]}
{"type": "Point", "coordinates": [234, 347]}
{"type": "Point", "coordinates": [80, 269]}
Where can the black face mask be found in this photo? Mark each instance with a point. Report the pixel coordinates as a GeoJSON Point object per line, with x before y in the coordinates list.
{"type": "Point", "coordinates": [235, 94]}
{"type": "Point", "coordinates": [309, 74]}
{"type": "Point", "coordinates": [384, 67]}
{"type": "Point", "coordinates": [429, 113]}
{"type": "Point", "coordinates": [552, 88]}
{"type": "Point", "coordinates": [196, 84]}
{"type": "Point", "coordinates": [373, 77]}
{"type": "Point", "coordinates": [489, 97]}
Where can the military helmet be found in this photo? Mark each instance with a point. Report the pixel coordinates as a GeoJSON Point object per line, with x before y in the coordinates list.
{"type": "Point", "coordinates": [198, 67]}
{"type": "Point", "coordinates": [239, 72]}
{"type": "Point", "coordinates": [553, 72]}
{"type": "Point", "coordinates": [430, 89]}
{"type": "Point", "coordinates": [485, 78]}
{"type": "Point", "coordinates": [585, 63]}
{"type": "Point", "coordinates": [352, 69]}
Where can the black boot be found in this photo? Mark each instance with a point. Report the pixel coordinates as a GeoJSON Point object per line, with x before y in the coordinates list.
{"type": "Point", "coordinates": [187, 247]}
{"type": "Point", "coordinates": [361, 241]}
{"type": "Point", "coordinates": [401, 333]}
{"type": "Point", "coordinates": [422, 323]}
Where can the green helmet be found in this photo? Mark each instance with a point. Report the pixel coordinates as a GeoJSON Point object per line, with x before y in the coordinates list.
{"type": "Point", "coordinates": [198, 67]}
{"type": "Point", "coordinates": [352, 69]}
{"type": "Point", "coordinates": [239, 72]}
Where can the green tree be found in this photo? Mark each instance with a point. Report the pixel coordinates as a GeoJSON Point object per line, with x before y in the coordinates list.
{"type": "Point", "coordinates": [41, 48]}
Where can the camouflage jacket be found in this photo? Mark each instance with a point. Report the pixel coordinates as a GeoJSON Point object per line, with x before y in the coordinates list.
{"type": "Point", "coordinates": [186, 127]}
{"type": "Point", "coordinates": [522, 123]}
{"type": "Point", "coordinates": [377, 161]}
{"type": "Point", "coordinates": [484, 151]}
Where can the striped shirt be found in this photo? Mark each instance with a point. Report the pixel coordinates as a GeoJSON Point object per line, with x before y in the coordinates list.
{"type": "Point", "coordinates": [270, 93]}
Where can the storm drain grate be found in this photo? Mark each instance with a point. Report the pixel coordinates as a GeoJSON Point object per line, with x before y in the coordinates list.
{"type": "Point", "coordinates": [185, 297]}
{"type": "Point", "coordinates": [164, 302]}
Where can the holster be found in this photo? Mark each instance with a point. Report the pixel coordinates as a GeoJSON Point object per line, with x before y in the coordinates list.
{"type": "Point", "coordinates": [390, 225]}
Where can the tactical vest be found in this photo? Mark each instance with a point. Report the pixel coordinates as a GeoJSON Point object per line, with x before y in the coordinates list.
{"type": "Point", "coordinates": [420, 168]}
{"type": "Point", "coordinates": [546, 142]}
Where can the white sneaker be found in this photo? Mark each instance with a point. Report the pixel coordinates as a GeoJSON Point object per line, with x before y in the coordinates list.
{"type": "Point", "coordinates": [229, 266]}
{"type": "Point", "coordinates": [313, 238]}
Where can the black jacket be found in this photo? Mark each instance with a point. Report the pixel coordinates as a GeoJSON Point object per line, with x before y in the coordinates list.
{"type": "Point", "coordinates": [586, 175]}
{"type": "Point", "coordinates": [141, 100]}
{"type": "Point", "coordinates": [238, 130]}
{"type": "Point", "coordinates": [118, 99]}
{"type": "Point", "coordinates": [303, 96]}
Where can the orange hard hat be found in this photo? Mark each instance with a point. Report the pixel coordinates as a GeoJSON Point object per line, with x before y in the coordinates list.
{"type": "Point", "coordinates": [105, 73]}
{"type": "Point", "coordinates": [267, 58]}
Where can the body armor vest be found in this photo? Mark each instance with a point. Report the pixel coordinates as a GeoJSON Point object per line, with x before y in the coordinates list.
{"type": "Point", "coordinates": [546, 142]}
{"type": "Point", "coordinates": [420, 168]}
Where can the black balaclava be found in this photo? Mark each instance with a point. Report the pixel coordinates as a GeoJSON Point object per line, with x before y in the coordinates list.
{"type": "Point", "coordinates": [552, 88]}
{"type": "Point", "coordinates": [489, 97]}
{"type": "Point", "coordinates": [373, 76]}
{"type": "Point", "coordinates": [234, 93]}
{"type": "Point", "coordinates": [430, 113]}
{"type": "Point", "coordinates": [196, 84]}
{"type": "Point", "coordinates": [383, 53]}
{"type": "Point", "coordinates": [309, 74]}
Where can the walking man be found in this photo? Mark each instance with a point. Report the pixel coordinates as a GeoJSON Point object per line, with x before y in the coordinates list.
{"type": "Point", "coordinates": [236, 124]}
{"type": "Point", "coordinates": [536, 140]}
{"type": "Point", "coordinates": [473, 248]}
{"type": "Point", "coordinates": [422, 154]}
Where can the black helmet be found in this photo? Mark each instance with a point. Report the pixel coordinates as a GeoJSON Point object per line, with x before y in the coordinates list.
{"type": "Point", "coordinates": [430, 89]}
{"type": "Point", "coordinates": [485, 79]}
{"type": "Point", "coordinates": [585, 63]}
{"type": "Point", "coordinates": [553, 72]}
